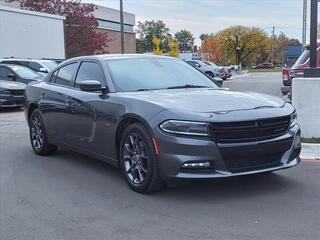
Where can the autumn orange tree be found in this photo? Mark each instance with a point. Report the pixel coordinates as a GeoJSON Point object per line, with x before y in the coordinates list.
{"type": "Point", "coordinates": [210, 48]}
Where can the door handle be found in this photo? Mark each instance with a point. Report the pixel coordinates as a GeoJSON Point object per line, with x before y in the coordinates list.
{"type": "Point", "coordinates": [42, 94]}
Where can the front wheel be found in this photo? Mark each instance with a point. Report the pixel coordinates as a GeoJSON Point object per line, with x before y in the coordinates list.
{"type": "Point", "coordinates": [138, 160]}
{"type": "Point", "coordinates": [38, 137]}
{"type": "Point", "coordinates": [210, 74]}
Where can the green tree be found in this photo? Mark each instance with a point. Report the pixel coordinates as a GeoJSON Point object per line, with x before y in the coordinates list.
{"type": "Point", "coordinates": [185, 40]}
{"type": "Point", "coordinates": [141, 46]}
{"type": "Point", "coordinates": [203, 36]}
{"type": "Point", "coordinates": [147, 30]}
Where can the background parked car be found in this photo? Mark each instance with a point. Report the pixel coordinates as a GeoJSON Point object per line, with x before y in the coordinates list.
{"type": "Point", "coordinates": [300, 65]}
{"type": "Point", "coordinates": [225, 71]}
{"type": "Point", "coordinates": [210, 70]}
{"type": "Point", "coordinates": [11, 94]}
{"type": "Point", "coordinates": [18, 73]}
{"type": "Point", "coordinates": [265, 65]}
{"type": "Point", "coordinates": [42, 67]}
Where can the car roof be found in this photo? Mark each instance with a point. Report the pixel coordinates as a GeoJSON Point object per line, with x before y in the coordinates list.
{"type": "Point", "coordinates": [26, 60]}
{"type": "Point", "coordinates": [117, 56]}
{"type": "Point", "coordinates": [9, 65]}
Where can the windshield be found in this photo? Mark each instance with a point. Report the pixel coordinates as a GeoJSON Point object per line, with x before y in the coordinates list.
{"type": "Point", "coordinates": [50, 64]}
{"type": "Point", "coordinates": [303, 58]}
{"type": "Point", "coordinates": [155, 73]}
{"type": "Point", "coordinates": [24, 72]}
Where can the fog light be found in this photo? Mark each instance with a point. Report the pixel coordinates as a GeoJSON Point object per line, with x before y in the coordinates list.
{"type": "Point", "coordinates": [196, 165]}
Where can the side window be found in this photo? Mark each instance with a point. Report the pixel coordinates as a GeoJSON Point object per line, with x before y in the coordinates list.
{"type": "Point", "coordinates": [89, 71]}
{"type": "Point", "coordinates": [34, 66]}
{"type": "Point", "coordinates": [65, 74]}
{"type": "Point", "coordinates": [54, 76]}
{"type": "Point", "coordinates": [193, 63]}
{"type": "Point", "coordinates": [4, 73]}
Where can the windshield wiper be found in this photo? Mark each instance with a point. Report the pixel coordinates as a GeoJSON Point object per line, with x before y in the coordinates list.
{"type": "Point", "coordinates": [187, 86]}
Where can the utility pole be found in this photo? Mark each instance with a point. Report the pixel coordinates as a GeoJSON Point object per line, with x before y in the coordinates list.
{"type": "Point", "coordinates": [313, 71]}
{"type": "Point", "coordinates": [121, 27]}
{"type": "Point", "coordinates": [304, 24]}
{"type": "Point", "coordinates": [272, 47]}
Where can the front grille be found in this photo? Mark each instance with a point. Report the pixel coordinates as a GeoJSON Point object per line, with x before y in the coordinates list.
{"type": "Point", "coordinates": [17, 92]}
{"type": "Point", "coordinates": [251, 163]}
{"type": "Point", "coordinates": [250, 131]}
{"type": "Point", "coordinates": [254, 156]}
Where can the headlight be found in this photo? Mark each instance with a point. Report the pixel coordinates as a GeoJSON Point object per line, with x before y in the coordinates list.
{"type": "Point", "coordinates": [186, 128]}
{"type": "Point", "coordinates": [293, 120]}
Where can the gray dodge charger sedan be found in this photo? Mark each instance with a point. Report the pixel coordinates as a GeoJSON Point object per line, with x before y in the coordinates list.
{"type": "Point", "coordinates": [159, 119]}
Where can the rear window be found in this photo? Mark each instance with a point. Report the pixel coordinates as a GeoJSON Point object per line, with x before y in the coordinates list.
{"type": "Point", "coordinates": [304, 57]}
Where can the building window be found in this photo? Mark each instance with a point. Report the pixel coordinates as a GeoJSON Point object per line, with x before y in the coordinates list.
{"type": "Point", "coordinates": [114, 26]}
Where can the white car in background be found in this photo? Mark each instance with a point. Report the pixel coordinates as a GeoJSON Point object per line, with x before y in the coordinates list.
{"type": "Point", "coordinates": [41, 66]}
{"type": "Point", "coordinates": [210, 70]}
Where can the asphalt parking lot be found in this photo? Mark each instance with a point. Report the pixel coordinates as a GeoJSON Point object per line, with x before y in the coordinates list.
{"type": "Point", "coordinates": [268, 83]}
{"type": "Point", "coordinates": [68, 196]}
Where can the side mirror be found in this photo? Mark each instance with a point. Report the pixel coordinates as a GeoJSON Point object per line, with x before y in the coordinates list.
{"type": "Point", "coordinates": [43, 70]}
{"type": "Point", "coordinates": [11, 76]}
{"type": "Point", "coordinates": [92, 86]}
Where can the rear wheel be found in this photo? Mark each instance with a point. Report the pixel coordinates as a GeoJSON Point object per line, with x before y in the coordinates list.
{"type": "Point", "coordinates": [138, 160]}
{"type": "Point", "coordinates": [38, 137]}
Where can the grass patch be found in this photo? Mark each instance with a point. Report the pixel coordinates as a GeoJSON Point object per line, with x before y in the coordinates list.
{"type": "Point", "coordinates": [310, 140]}
{"type": "Point", "coordinates": [264, 70]}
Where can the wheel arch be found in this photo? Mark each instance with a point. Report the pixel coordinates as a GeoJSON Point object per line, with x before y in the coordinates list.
{"type": "Point", "coordinates": [124, 122]}
{"type": "Point", "coordinates": [31, 108]}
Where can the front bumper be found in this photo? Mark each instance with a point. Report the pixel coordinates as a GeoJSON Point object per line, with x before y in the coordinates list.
{"type": "Point", "coordinates": [225, 159]}
{"type": "Point", "coordinates": [9, 100]}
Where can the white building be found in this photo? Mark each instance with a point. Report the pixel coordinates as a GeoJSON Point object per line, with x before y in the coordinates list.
{"type": "Point", "coordinates": [28, 34]}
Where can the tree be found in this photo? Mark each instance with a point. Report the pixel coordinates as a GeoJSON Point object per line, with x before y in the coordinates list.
{"type": "Point", "coordinates": [210, 48]}
{"type": "Point", "coordinates": [147, 30]}
{"type": "Point", "coordinates": [141, 46]}
{"type": "Point", "coordinates": [240, 42]}
{"type": "Point", "coordinates": [185, 40]}
{"type": "Point", "coordinates": [173, 47]}
{"type": "Point", "coordinates": [281, 43]}
{"type": "Point", "coordinates": [205, 35]}
{"type": "Point", "coordinates": [156, 46]}
{"type": "Point", "coordinates": [81, 36]}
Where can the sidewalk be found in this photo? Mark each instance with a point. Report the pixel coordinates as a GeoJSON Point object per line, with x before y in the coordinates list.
{"type": "Point", "coordinates": [310, 151]}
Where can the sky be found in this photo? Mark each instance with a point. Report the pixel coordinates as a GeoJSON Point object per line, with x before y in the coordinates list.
{"type": "Point", "coordinates": [211, 16]}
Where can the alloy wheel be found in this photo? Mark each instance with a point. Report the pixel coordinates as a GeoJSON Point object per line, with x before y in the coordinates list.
{"type": "Point", "coordinates": [37, 133]}
{"type": "Point", "coordinates": [135, 158]}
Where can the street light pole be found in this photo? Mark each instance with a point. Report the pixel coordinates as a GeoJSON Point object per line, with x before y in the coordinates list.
{"type": "Point", "coordinates": [121, 27]}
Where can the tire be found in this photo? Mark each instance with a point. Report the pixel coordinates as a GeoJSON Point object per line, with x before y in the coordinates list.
{"type": "Point", "coordinates": [38, 136]}
{"type": "Point", "coordinates": [210, 74]}
{"type": "Point", "coordinates": [138, 160]}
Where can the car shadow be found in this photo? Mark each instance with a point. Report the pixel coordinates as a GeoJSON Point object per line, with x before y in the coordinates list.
{"type": "Point", "coordinates": [109, 178]}
{"type": "Point", "coordinates": [9, 110]}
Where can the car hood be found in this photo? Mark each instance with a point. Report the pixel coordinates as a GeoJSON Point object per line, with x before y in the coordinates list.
{"type": "Point", "coordinates": [12, 85]}
{"type": "Point", "coordinates": [207, 100]}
